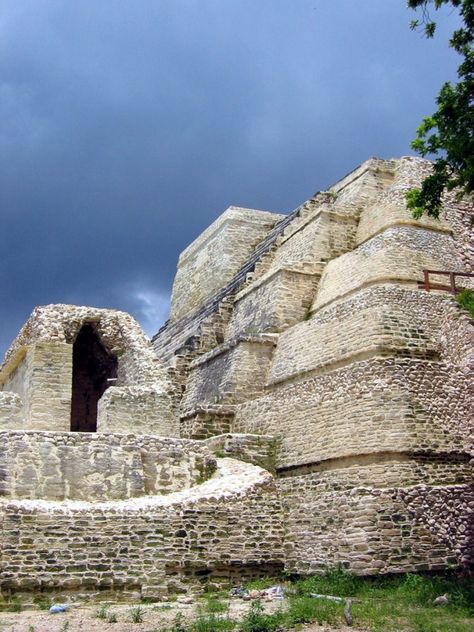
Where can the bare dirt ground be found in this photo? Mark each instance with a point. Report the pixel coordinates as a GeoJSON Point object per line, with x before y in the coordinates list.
{"type": "Point", "coordinates": [156, 617]}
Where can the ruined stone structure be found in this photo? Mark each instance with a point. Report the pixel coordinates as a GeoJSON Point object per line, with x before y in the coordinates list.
{"type": "Point", "coordinates": [307, 405]}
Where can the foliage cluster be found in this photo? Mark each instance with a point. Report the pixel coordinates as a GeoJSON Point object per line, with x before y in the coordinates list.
{"type": "Point", "coordinates": [447, 134]}
{"type": "Point", "coordinates": [466, 300]}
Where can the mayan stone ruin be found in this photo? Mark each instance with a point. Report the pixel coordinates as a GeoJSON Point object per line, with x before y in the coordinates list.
{"type": "Point", "coordinates": [308, 405]}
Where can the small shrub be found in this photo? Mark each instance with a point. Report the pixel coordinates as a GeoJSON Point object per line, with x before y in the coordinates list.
{"type": "Point", "coordinates": [136, 614]}
{"type": "Point", "coordinates": [112, 618]}
{"type": "Point", "coordinates": [256, 620]}
{"type": "Point", "coordinates": [65, 627]}
{"type": "Point", "coordinates": [15, 605]}
{"type": "Point", "coordinates": [102, 612]}
{"type": "Point", "coordinates": [466, 300]}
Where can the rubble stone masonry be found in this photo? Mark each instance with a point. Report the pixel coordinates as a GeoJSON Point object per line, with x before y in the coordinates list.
{"type": "Point", "coordinates": [308, 405]}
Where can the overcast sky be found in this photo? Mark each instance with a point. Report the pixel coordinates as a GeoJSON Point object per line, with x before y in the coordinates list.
{"type": "Point", "coordinates": [127, 126]}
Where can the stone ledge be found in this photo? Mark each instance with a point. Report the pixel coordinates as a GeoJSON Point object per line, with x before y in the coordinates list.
{"type": "Point", "coordinates": [268, 276]}
{"type": "Point", "coordinates": [224, 409]}
{"type": "Point", "coordinates": [361, 460]}
{"type": "Point", "coordinates": [233, 214]}
{"type": "Point", "coordinates": [259, 339]}
{"type": "Point", "coordinates": [372, 164]}
{"type": "Point", "coordinates": [232, 480]}
{"type": "Point", "coordinates": [260, 450]}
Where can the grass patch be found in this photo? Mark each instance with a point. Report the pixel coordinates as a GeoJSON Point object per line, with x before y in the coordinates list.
{"type": "Point", "coordinates": [212, 623]}
{"type": "Point", "coordinates": [257, 620]}
{"type": "Point", "coordinates": [396, 603]}
{"type": "Point", "coordinates": [43, 602]}
{"type": "Point", "coordinates": [214, 605]}
{"type": "Point", "coordinates": [466, 300]}
{"type": "Point", "coordinates": [15, 605]}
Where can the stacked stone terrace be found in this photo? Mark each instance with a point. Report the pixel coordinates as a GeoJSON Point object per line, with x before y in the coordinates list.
{"type": "Point", "coordinates": [307, 405]}
{"type": "Point", "coordinates": [324, 342]}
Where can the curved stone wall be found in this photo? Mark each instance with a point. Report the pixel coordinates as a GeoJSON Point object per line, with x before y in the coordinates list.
{"type": "Point", "coordinates": [229, 528]}
{"type": "Point", "coordinates": [390, 208]}
{"type": "Point", "coordinates": [397, 255]}
{"type": "Point", "coordinates": [380, 329]}
{"type": "Point", "coordinates": [96, 467]}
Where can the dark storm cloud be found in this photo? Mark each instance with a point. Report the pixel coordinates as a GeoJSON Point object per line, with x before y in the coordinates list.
{"type": "Point", "coordinates": [127, 127]}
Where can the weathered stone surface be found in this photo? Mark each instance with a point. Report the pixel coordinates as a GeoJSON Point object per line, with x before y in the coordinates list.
{"type": "Point", "coordinates": [39, 368]}
{"type": "Point", "coordinates": [229, 528]}
{"type": "Point", "coordinates": [216, 255]}
{"type": "Point", "coordinates": [89, 466]}
{"type": "Point", "coordinates": [302, 344]}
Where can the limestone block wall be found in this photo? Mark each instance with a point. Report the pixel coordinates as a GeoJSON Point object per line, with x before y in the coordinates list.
{"type": "Point", "coordinates": [367, 393]}
{"type": "Point", "coordinates": [447, 513]}
{"type": "Point", "coordinates": [375, 466]}
{"type": "Point", "coordinates": [370, 530]}
{"type": "Point", "coordinates": [39, 368]}
{"type": "Point", "coordinates": [273, 303]}
{"type": "Point", "coordinates": [322, 234]}
{"type": "Point", "coordinates": [222, 248]}
{"type": "Point", "coordinates": [232, 372]}
{"type": "Point", "coordinates": [274, 297]}
{"type": "Point", "coordinates": [257, 449]}
{"type": "Point", "coordinates": [10, 410]}
{"type": "Point", "coordinates": [385, 330]}
{"type": "Point", "coordinates": [182, 339]}
{"type": "Point", "coordinates": [363, 185]}
{"type": "Point", "coordinates": [93, 467]}
{"type": "Point", "coordinates": [202, 422]}
{"type": "Point", "coordinates": [228, 528]}
{"type": "Point", "coordinates": [42, 380]}
{"type": "Point", "coordinates": [456, 343]}
{"type": "Point", "coordinates": [376, 405]}
{"type": "Point", "coordinates": [137, 409]}
{"type": "Point", "coordinates": [329, 375]}
{"type": "Point", "coordinates": [390, 208]}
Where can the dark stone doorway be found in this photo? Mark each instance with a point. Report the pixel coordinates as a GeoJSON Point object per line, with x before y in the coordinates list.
{"type": "Point", "coordinates": [92, 367]}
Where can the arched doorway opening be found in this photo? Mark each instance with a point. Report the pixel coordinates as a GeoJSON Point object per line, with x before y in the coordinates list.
{"type": "Point", "coordinates": [92, 368]}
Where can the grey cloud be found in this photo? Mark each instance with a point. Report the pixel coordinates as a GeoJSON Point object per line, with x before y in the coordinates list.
{"type": "Point", "coordinates": [127, 127]}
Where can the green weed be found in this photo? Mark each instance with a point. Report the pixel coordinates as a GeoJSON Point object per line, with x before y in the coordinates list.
{"type": "Point", "coordinates": [213, 605]}
{"type": "Point", "coordinates": [15, 605]}
{"type": "Point", "coordinates": [466, 300]}
{"type": "Point", "coordinates": [42, 602]}
{"type": "Point", "coordinates": [178, 623]}
{"type": "Point", "coordinates": [256, 620]}
{"type": "Point", "coordinates": [112, 617]}
{"type": "Point", "coordinates": [136, 614]}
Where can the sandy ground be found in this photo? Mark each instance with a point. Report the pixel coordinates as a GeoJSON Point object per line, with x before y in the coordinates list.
{"type": "Point", "coordinates": [156, 617]}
